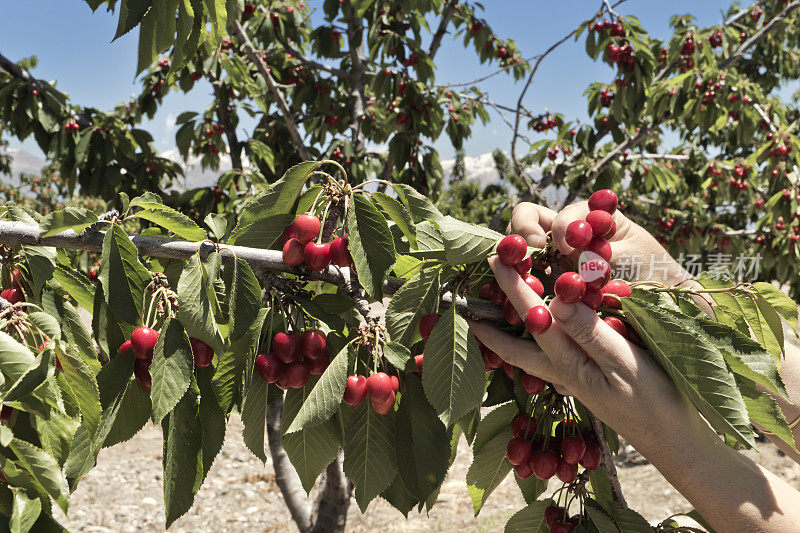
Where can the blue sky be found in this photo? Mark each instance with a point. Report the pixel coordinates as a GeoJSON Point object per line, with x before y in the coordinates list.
{"type": "Point", "coordinates": [73, 46]}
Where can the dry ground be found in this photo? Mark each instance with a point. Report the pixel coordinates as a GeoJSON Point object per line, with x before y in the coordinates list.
{"type": "Point", "coordinates": [123, 493]}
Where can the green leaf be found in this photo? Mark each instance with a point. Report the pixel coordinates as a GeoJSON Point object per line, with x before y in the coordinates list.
{"type": "Point", "coordinates": [123, 277]}
{"type": "Point", "coordinates": [182, 440]}
{"type": "Point", "coordinates": [171, 220]}
{"type": "Point", "coordinates": [44, 469]}
{"type": "Point", "coordinates": [415, 298]}
{"type": "Point", "coordinates": [398, 214]}
{"type": "Point", "coordinates": [629, 521]}
{"type": "Point", "coordinates": [171, 370]}
{"type": "Point", "coordinates": [32, 379]}
{"type": "Point", "coordinates": [195, 309]}
{"type": "Point", "coordinates": [399, 357]}
{"type": "Point", "coordinates": [495, 422]}
{"type": "Point", "coordinates": [453, 375]}
{"type": "Point", "coordinates": [421, 443]}
{"type": "Point", "coordinates": [420, 207]}
{"type": "Point", "coordinates": [313, 448]}
{"type": "Point", "coordinates": [229, 379]}
{"type": "Point", "coordinates": [254, 417]}
{"type": "Point", "coordinates": [466, 243]}
{"type": "Point", "coordinates": [324, 398]}
{"type": "Point", "coordinates": [132, 414]}
{"type": "Point", "coordinates": [245, 299]}
{"type": "Point", "coordinates": [398, 497]}
{"type": "Point", "coordinates": [131, 13]}
{"type": "Point", "coordinates": [529, 519]}
{"type": "Point", "coordinates": [74, 218]}
{"type": "Point", "coordinates": [25, 512]}
{"type": "Point", "coordinates": [371, 245]}
{"type": "Point", "coordinates": [698, 368]}
{"type": "Point", "coordinates": [489, 467]}
{"type": "Point", "coordinates": [212, 422]}
{"type": "Point", "coordinates": [15, 358]}
{"type": "Point", "coordinates": [369, 455]}
{"type": "Point", "coordinates": [81, 381]}
{"type": "Point", "coordinates": [280, 197]}
{"type": "Point", "coordinates": [76, 285]}
{"type": "Point", "coordinates": [764, 411]}
{"type": "Point", "coordinates": [772, 319]}
{"type": "Point", "coordinates": [784, 305]}
{"type": "Point", "coordinates": [599, 518]}
{"type": "Point", "coordinates": [531, 488]}
{"type": "Point", "coordinates": [261, 233]}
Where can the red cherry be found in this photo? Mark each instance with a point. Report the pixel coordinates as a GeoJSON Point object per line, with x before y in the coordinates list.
{"type": "Point", "coordinates": [16, 279]}
{"type": "Point", "coordinates": [283, 381]}
{"type": "Point", "coordinates": [296, 375]}
{"type": "Point", "coordinates": [288, 234]}
{"type": "Point", "coordinates": [572, 449]}
{"type": "Point", "coordinates": [379, 386]}
{"type": "Point", "coordinates": [12, 296]}
{"type": "Point", "coordinates": [318, 366]}
{"type": "Point", "coordinates": [532, 384]}
{"type": "Point", "coordinates": [395, 383]}
{"type": "Point", "coordinates": [593, 297]}
{"type": "Point", "coordinates": [508, 369]}
{"type": "Point", "coordinates": [317, 255]}
{"type": "Point", "coordinates": [307, 227]}
{"type": "Point", "coordinates": [496, 294]}
{"type": "Point", "coordinates": [595, 272]}
{"type": "Point", "coordinates": [293, 252]}
{"type": "Point", "coordinates": [491, 360]}
{"type": "Point", "coordinates": [340, 255]}
{"type": "Point", "coordinates": [385, 406]}
{"type": "Point", "coordinates": [522, 425]}
{"type": "Point", "coordinates": [523, 471]}
{"type": "Point", "coordinates": [524, 266]}
{"type": "Point", "coordinates": [5, 413]}
{"type": "Point", "coordinates": [617, 325]}
{"type": "Point", "coordinates": [518, 451]}
{"type": "Point", "coordinates": [566, 472]}
{"type": "Point", "coordinates": [485, 292]}
{"type": "Point", "coordinates": [591, 457]}
{"type": "Point", "coordinates": [605, 199]}
{"type": "Point", "coordinates": [544, 463]}
{"type": "Point", "coordinates": [553, 514]}
{"type": "Point", "coordinates": [143, 342]}
{"type": "Point", "coordinates": [124, 347]}
{"type": "Point", "coordinates": [616, 288]}
{"type": "Point", "coordinates": [534, 283]}
{"type": "Point", "coordinates": [313, 344]}
{"type": "Point", "coordinates": [286, 346]}
{"type": "Point", "coordinates": [561, 527]}
{"type": "Point", "coordinates": [578, 234]}
{"type": "Point", "coordinates": [202, 352]}
{"type": "Point", "coordinates": [427, 323]}
{"type": "Point", "coordinates": [570, 287]}
{"type": "Point", "coordinates": [141, 370]}
{"type": "Point", "coordinates": [512, 249]}
{"type": "Point", "coordinates": [612, 231]}
{"type": "Point", "coordinates": [419, 360]}
{"type": "Point", "coordinates": [538, 320]}
{"type": "Point", "coordinates": [269, 367]}
{"type": "Point", "coordinates": [510, 314]}
{"type": "Point", "coordinates": [600, 221]}
{"type": "Point", "coordinates": [355, 390]}
{"type": "Point", "coordinates": [601, 247]}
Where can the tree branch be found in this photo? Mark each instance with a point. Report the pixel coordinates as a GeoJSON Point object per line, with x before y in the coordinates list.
{"type": "Point", "coordinates": [334, 499]}
{"type": "Point", "coordinates": [760, 34]}
{"type": "Point", "coordinates": [308, 61]}
{"type": "Point", "coordinates": [608, 461]}
{"type": "Point", "coordinates": [277, 95]}
{"type": "Point", "coordinates": [356, 76]}
{"type": "Point", "coordinates": [447, 14]}
{"type": "Point", "coordinates": [224, 116]}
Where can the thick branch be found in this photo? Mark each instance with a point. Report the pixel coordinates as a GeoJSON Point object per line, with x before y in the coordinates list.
{"type": "Point", "coordinates": [20, 233]}
{"type": "Point", "coordinates": [224, 116]}
{"type": "Point", "coordinates": [274, 90]}
{"type": "Point", "coordinates": [334, 499]}
{"type": "Point", "coordinates": [356, 76]}
{"type": "Point", "coordinates": [285, 475]}
{"type": "Point", "coordinates": [760, 34]}
{"type": "Point", "coordinates": [608, 461]}
{"type": "Point", "coordinates": [447, 14]}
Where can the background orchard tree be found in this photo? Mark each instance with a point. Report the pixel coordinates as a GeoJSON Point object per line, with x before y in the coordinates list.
{"type": "Point", "coordinates": [689, 128]}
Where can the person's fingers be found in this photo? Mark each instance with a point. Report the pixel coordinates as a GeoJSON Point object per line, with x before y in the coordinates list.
{"type": "Point", "coordinates": [514, 350]}
{"type": "Point", "coordinates": [532, 221]}
{"type": "Point", "coordinates": [607, 347]}
{"type": "Point", "coordinates": [578, 211]}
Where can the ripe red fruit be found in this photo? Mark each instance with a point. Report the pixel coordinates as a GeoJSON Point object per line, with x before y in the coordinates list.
{"type": "Point", "coordinates": [518, 451]}
{"type": "Point", "coordinates": [12, 296]}
{"type": "Point", "coordinates": [419, 360]}
{"type": "Point", "coordinates": [318, 366]}
{"type": "Point", "coordinates": [534, 283]}
{"type": "Point", "coordinates": [523, 471]}
{"type": "Point", "coordinates": [379, 386]}
{"type": "Point", "coordinates": [485, 292]}
{"type": "Point", "coordinates": [124, 347]}
{"type": "Point", "coordinates": [544, 463]}
{"type": "Point", "coordinates": [561, 527]}
{"type": "Point", "coordinates": [538, 320]}
{"type": "Point", "coordinates": [427, 323]}
{"type": "Point", "coordinates": [524, 266]}
{"type": "Point", "coordinates": [288, 234]}
{"type": "Point", "coordinates": [601, 247]}
{"type": "Point", "coordinates": [286, 346]}
{"type": "Point", "coordinates": [617, 325]}
{"type": "Point", "coordinates": [512, 249]}
{"type": "Point", "coordinates": [600, 221]}
{"type": "Point", "coordinates": [508, 369]}
{"type": "Point", "coordinates": [570, 287]}
{"type": "Point", "coordinates": [384, 407]}
{"type": "Point", "coordinates": [491, 360]}
{"type": "Point", "coordinates": [566, 472]}
{"type": "Point", "coordinates": [510, 314]}
{"type": "Point", "coordinates": [141, 370]}
{"type": "Point", "coordinates": [605, 199]}
{"type": "Point", "coordinates": [313, 344]}
{"type": "Point", "coordinates": [16, 279]}
{"type": "Point", "coordinates": [618, 288]}
{"type": "Point", "coordinates": [293, 252]}
{"type": "Point", "coordinates": [307, 227]}
{"type": "Point", "coordinates": [572, 449]}
{"type": "Point", "coordinates": [355, 390]}
{"type": "Point", "coordinates": [593, 297]}
{"type": "Point", "coordinates": [496, 294]}
{"type": "Point", "coordinates": [5, 413]}
{"type": "Point", "coordinates": [523, 425]}
{"type": "Point", "coordinates": [296, 375]}
{"type": "Point", "coordinates": [591, 457]}
{"type": "Point", "coordinates": [143, 342]}
{"type": "Point", "coordinates": [317, 255]}
{"type": "Point", "coordinates": [532, 384]}
{"type": "Point", "coordinates": [269, 367]}
{"type": "Point", "coordinates": [578, 234]}
{"type": "Point", "coordinates": [395, 383]}
{"type": "Point", "coordinates": [202, 352]}
{"type": "Point", "coordinates": [553, 514]}
{"type": "Point", "coordinates": [595, 272]}
{"type": "Point", "coordinates": [340, 255]}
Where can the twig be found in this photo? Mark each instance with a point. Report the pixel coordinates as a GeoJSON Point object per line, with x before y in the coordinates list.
{"type": "Point", "coordinates": [308, 61]}
{"type": "Point", "coordinates": [760, 34]}
{"type": "Point", "coordinates": [608, 461]}
{"type": "Point", "coordinates": [447, 14]}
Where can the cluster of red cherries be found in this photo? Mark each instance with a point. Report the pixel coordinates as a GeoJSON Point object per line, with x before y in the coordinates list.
{"type": "Point", "coordinates": [15, 293]}
{"type": "Point", "coordinates": [300, 245]}
{"type": "Point", "coordinates": [379, 386]}
{"type": "Point", "coordinates": [294, 358]}
{"type": "Point", "coordinates": [143, 343]}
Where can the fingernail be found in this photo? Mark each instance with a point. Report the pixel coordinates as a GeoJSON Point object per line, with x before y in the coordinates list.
{"type": "Point", "coordinates": [562, 311]}
{"type": "Point", "coordinates": [536, 241]}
